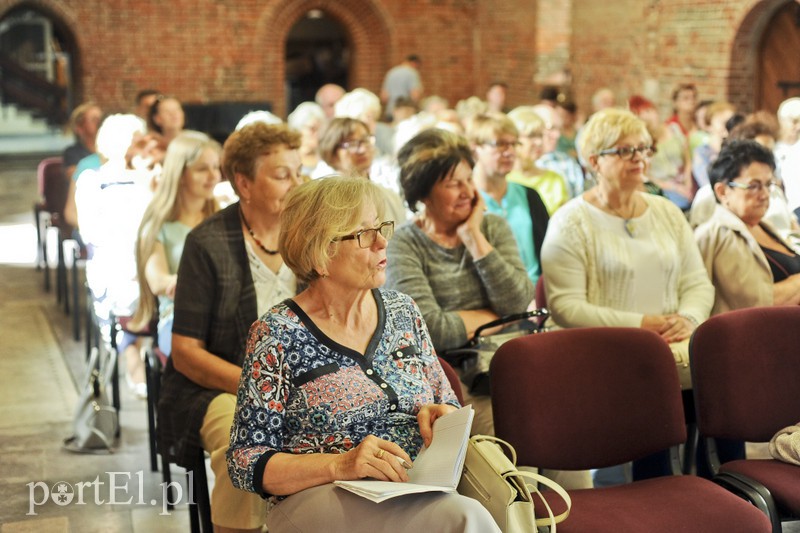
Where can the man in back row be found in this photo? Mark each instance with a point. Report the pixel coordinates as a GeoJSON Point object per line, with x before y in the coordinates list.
{"type": "Point", "coordinates": [402, 81]}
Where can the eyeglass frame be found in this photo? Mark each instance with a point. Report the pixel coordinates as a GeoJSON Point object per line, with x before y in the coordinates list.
{"type": "Point", "coordinates": [621, 150]}
{"type": "Point", "coordinates": [378, 230]}
{"type": "Point", "coordinates": [356, 145]}
{"type": "Point", "coordinates": [754, 187]}
{"type": "Point", "coordinates": [502, 145]}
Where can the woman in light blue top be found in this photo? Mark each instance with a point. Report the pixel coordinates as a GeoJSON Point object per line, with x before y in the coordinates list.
{"type": "Point", "coordinates": [183, 198]}
{"type": "Point", "coordinates": [494, 139]}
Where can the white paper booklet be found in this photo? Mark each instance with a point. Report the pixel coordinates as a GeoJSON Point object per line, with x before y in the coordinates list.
{"type": "Point", "coordinates": [437, 468]}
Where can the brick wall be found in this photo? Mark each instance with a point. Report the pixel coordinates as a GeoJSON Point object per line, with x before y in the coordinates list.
{"type": "Point", "coordinates": [215, 50]}
{"type": "Point", "coordinates": [648, 47]}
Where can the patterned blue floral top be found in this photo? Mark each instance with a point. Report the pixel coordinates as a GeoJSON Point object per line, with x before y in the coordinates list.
{"type": "Point", "coordinates": [302, 392]}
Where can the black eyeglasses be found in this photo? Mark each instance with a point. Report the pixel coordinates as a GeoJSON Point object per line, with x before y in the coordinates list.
{"type": "Point", "coordinates": [502, 145]}
{"type": "Point", "coordinates": [754, 187]}
{"type": "Point", "coordinates": [356, 145]}
{"type": "Point", "coordinates": [367, 237]}
{"type": "Point", "coordinates": [626, 153]}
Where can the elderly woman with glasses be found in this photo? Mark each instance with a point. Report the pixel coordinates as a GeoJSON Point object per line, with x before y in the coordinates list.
{"type": "Point", "coordinates": [348, 147]}
{"type": "Point", "coordinates": [341, 382]}
{"type": "Point", "coordinates": [618, 256]}
{"type": "Point", "coordinates": [749, 263]}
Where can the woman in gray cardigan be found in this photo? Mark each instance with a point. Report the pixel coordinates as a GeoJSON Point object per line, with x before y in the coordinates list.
{"type": "Point", "coordinates": [460, 265]}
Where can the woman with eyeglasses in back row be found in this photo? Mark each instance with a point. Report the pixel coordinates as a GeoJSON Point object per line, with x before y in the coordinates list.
{"type": "Point", "coordinates": [348, 148]}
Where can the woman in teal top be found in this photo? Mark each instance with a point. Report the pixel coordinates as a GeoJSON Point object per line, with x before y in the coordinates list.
{"type": "Point", "coordinates": [183, 198]}
{"type": "Point", "coordinates": [494, 140]}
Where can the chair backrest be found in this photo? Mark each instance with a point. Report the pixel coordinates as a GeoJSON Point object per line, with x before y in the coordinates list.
{"type": "Point", "coordinates": [52, 183]}
{"type": "Point", "coordinates": [746, 372]}
{"type": "Point", "coordinates": [587, 398]}
{"type": "Point", "coordinates": [452, 377]}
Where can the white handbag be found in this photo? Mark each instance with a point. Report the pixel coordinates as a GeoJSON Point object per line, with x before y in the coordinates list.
{"type": "Point", "coordinates": [506, 492]}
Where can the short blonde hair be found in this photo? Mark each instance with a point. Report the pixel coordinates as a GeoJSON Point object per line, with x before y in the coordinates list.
{"type": "Point", "coordinates": [488, 127]}
{"type": "Point", "coordinates": [527, 120]}
{"type": "Point", "coordinates": [605, 128]}
{"type": "Point", "coordinates": [318, 212]}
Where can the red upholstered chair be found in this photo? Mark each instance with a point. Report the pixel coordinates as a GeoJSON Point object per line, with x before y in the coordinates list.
{"type": "Point", "coordinates": [597, 397]}
{"type": "Point", "coordinates": [746, 376]}
{"type": "Point", "coordinates": [452, 377]}
{"type": "Point", "coordinates": [53, 187]}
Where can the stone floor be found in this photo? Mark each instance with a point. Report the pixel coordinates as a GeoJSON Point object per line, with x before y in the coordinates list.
{"type": "Point", "coordinates": [40, 365]}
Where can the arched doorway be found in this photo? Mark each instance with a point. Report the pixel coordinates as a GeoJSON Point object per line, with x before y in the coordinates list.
{"type": "Point", "coordinates": [778, 64]}
{"type": "Point", "coordinates": [39, 59]}
{"type": "Point", "coordinates": [317, 52]}
{"type": "Point", "coordinates": [369, 39]}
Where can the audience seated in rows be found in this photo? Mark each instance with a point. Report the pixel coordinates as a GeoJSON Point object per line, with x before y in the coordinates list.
{"type": "Point", "coordinates": [612, 255]}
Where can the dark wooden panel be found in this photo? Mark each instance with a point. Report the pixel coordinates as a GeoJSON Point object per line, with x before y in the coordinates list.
{"type": "Point", "coordinates": [779, 58]}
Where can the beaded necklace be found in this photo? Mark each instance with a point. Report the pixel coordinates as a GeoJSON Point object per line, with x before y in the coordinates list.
{"type": "Point", "coordinates": [253, 235]}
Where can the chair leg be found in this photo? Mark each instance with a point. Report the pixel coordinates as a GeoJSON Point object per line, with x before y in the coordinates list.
{"type": "Point", "coordinates": [199, 500]}
{"type": "Point", "coordinates": [76, 315]}
{"type": "Point", "coordinates": [201, 493]}
{"type": "Point", "coordinates": [166, 477]}
{"type": "Point", "coordinates": [690, 449]}
{"type": "Point", "coordinates": [92, 338]}
{"type": "Point", "coordinates": [150, 377]}
{"type": "Point", "coordinates": [194, 518]}
{"type": "Point", "coordinates": [61, 276]}
{"type": "Point", "coordinates": [45, 262]}
{"type": "Point", "coordinates": [38, 223]}
{"type": "Point", "coordinates": [115, 397]}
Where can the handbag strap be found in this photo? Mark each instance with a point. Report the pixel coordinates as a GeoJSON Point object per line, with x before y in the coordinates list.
{"type": "Point", "coordinates": [551, 520]}
{"type": "Point", "coordinates": [507, 319]}
{"type": "Point", "coordinates": [501, 442]}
